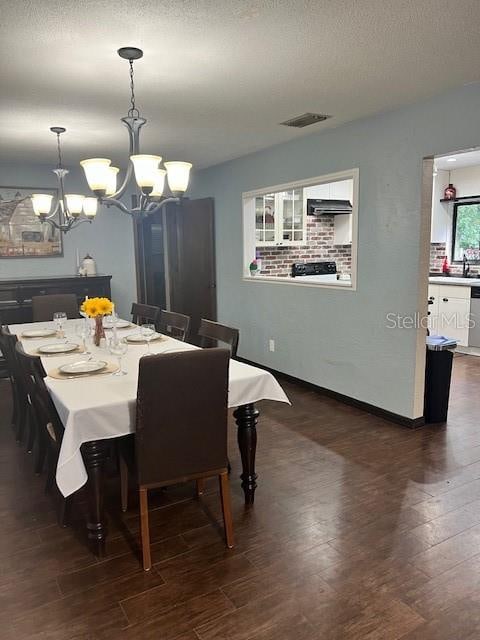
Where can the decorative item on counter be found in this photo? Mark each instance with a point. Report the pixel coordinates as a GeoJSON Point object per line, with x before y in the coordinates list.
{"type": "Point", "coordinates": [258, 259]}
{"type": "Point", "coordinates": [450, 192]}
{"type": "Point", "coordinates": [445, 267]}
{"type": "Point", "coordinates": [253, 267]}
{"type": "Point", "coordinates": [97, 308]}
{"type": "Point", "coordinates": [89, 267]}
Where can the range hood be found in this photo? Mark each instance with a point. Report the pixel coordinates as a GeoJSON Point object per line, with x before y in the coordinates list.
{"type": "Point", "coordinates": [319, 207]}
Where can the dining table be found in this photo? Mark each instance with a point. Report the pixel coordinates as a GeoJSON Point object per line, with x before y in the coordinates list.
{"type": "Point", "coordinates": [97, 408]}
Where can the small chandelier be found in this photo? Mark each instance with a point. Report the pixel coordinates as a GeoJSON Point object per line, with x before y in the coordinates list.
{"type": "Point", "coordinates": [67, 211]}
{"type": "Point", "coordinates": [150, 178]}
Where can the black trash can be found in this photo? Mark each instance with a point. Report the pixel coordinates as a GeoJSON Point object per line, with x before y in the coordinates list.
{"type": "Point", "coordinates": [438, 373]}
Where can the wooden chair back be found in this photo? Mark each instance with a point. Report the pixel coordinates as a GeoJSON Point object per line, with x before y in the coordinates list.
{"type": "Point", "coordinates": [214, 334]}
{"type": "Point", "coordinates": [43, 307]}
{"type": "Point", "coordinates": [174, 324]}
{"type": "Point", "coordinates": [7, 347]}
{"type": "Point", "coordinates": [181, 426]}
{"type": "Point", "coordinates": [34, 375]}
{"type": "Point", "coordinates": [144, 313]}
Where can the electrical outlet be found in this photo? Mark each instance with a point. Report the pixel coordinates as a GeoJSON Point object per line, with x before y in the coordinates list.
{"type": "Point", "coordinates": [271, 345]}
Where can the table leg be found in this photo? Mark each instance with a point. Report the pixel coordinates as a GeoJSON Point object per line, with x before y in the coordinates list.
{"type": "Point", "coordinates": [95, 454]}
{"type": "Point", "coordinates": [246, 417]}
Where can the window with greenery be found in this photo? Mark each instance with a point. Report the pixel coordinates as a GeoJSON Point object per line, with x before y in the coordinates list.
{"type": "Point", "coordinates": [466, 232]}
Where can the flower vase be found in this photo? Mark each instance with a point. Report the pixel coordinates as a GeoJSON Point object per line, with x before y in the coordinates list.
{"type": "Point", "coordinates": [99, 330]}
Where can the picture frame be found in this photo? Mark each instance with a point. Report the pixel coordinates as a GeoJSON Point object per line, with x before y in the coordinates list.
{"type": "Point", "coordinates": [22, 235]}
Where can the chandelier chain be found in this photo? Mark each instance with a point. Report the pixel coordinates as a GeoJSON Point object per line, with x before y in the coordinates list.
{"type": "Point", "coordinates": [59, 152]}
{"type": "Point", "coordinates": [133, 112]}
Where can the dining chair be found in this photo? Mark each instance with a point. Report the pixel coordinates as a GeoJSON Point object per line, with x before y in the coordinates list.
{"type": "Point", "coordinates": [213, 333]}
{"type": "Point", "coordinates": [27, 397]}
{"type": "Point", "coordinates": [22, 414]}
{"type": "Point", "coordinates": [142, 313]}
{"type": "Point", "coordinates": [181, 428]}
{"type": "Point", "coordinates": [175, 325]}
{"type": "Point", "coordinates": [48, 420]}
{"type": "Point", "coordinates": [7, 347]}
{"type": "Point", "coordinates": [43, 307]}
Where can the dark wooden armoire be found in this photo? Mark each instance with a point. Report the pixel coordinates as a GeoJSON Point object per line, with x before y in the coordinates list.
{"type": "Point", "coordinates": [175, 259]}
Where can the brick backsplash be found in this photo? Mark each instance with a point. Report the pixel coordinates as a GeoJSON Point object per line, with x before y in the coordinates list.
{"type": "Point", "coordinates": [277, 261]}
{"type": "Point", "coordinates": [437, 255]}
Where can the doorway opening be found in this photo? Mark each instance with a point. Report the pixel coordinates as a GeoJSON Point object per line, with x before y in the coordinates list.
{"type": "Point", "coordinates": [450, 265]}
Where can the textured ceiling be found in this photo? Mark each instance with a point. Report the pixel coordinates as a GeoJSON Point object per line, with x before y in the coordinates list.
{"type": "Point", "coordinates": [218, 76]}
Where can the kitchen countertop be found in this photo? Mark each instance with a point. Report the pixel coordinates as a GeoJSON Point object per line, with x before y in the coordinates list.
{"type": "Point", "coordinates": [459, 282]}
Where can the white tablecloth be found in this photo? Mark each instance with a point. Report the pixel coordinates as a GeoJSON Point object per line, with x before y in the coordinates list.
{"type": "Point", "coordinates": [98, 407]}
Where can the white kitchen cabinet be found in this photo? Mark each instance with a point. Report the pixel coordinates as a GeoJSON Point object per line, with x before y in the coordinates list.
{"type": "Point", "coordinates": [450, 311]}
{"type": "Point", "coordinates": [342, 190]}
{"type": "Point", "coordinates": [342, 224]}
{"type": "Point", "coordinates": [342, 228]}
{"type": "Point", "coordinates": [442, 212]}
{"type": "Point", "coordinates": [280, 219]}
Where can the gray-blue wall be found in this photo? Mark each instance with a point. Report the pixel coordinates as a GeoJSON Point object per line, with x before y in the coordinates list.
{"type": "Point", "coordinates": [109, 239]}
{"type": "Point", "coordinates": [339, 339]}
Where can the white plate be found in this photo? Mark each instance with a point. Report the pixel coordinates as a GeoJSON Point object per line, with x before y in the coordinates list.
{"type": "Point", "coordinates": [58, 347]}
{"type": "Point", "coordinates": [38, 333]}
{"type": "Point", "coordinates": [121, 324]}
{"type": "Point", "coordinates": [137, 337]}
{"type": "Point", "coordinates": [83, 366]}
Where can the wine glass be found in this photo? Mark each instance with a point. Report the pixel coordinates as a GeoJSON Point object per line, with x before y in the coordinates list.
{"type": "Point", "coordinates": [118, 348]}
{"type": "Point", "coordinates": [82, 330]}
{"type": "Point", "coordinates": [148, 331]}
{"type": "Point", "coordinates": [59, 318]}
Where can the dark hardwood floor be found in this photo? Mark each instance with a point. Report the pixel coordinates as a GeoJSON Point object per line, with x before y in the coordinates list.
{"type": "Point", "coordinates": [361, 529]}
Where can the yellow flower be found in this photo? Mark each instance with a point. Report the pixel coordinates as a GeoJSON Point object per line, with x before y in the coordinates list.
{"type": "Point", "coordinates": [105, 306]}
{"type": "Point", "coordinates": [94, 307]}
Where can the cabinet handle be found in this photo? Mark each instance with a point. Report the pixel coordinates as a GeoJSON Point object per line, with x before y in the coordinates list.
{"type": "Point", "coordinates": [432, 298]}
{"type": "Point", "coordinates": [445, 299]}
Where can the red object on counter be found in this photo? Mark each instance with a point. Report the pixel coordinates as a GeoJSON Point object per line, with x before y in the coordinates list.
{"type": "Point", "coordinates": [450, 192]}
{"type": "Point", "coordinates": [446, 267]}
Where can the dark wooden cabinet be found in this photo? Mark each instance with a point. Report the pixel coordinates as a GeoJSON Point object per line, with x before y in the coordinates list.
{"type": "Point", "coordinates": [175, 252]}
{"type": "Point", "coordinates": [16, 293]}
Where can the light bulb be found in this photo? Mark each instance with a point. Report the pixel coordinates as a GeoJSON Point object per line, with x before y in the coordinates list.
{"type": "Point", "coordinates": [159, 183]}
{"type": "Point", "coordinates": [112, 181]}
{"type": "Point", "coordinates": [74, 204]}
{"type": "Point", "coordinates": [41, 203]}
{"type": "Point", "coordinates": [178, 174]}
{"type": "Point", "coordinates": [97, 174]}
{"type": "Point", "coordinates": [146, 168]}
{"type": "Point", "coordinates": [90, 207]}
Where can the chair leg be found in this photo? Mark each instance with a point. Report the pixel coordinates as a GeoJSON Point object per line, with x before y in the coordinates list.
{"type": "Point", "coordinates": [226, 508]}
{"type": "Point", "coordinates": [30, 429]}
{"type": "Point", "coordinates": [145, 530]}
{"type": "Point", "coordinates": [20, 424]}
{"type": "Point", "coordinates": [200, 487]}
{"type": "Point", "coordinates": [50, 479]}
{"type": "Point", "coordinates": [14, 405]}
{"type": "Point", "coordinates": [40, 453]}
{"type": "Point", "coordinates": [123, 482]}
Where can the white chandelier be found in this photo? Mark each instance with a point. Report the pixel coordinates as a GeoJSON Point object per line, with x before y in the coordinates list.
{"type": "Point", "coordinates": [102, 177]}
{"type": "Point", "coordinates": [67, 210]}
{"type": "Point", "coordinates": [149, 176]}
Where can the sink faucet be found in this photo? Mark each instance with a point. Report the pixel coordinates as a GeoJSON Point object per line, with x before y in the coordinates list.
{"type": "Point", "coordinates": [466, 267]}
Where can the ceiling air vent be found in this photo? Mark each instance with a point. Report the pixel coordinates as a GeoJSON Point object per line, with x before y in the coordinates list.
{"type": "Point", "coordinates": [305, 120]}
